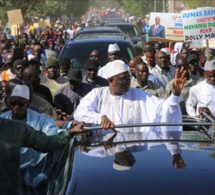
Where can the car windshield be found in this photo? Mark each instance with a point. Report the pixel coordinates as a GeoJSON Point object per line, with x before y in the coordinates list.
{"type": "Point", "coordinates": [130, 30]}
{"type": "Point", "coordinates": [79, 54]}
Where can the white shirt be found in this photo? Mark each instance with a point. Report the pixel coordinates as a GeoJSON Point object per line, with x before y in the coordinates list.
{"type": "Point", "coordinates": [201, 95]}
{"type": "Point", "coordinates": [135, 106]}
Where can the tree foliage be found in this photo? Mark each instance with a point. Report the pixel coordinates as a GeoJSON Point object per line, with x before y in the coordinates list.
{"type": "Point", "coordinates": [193, 4]}
{"type": "Point", "coordinates": [42, 8]}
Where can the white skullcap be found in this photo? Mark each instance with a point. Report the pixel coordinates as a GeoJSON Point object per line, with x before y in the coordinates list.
{"type": "Point", "coordinates": [178, 46]}
{"type": "Point", "coordinates": [121, 167]}
{"type": "Point", "coordinates": [210, 65]}
{"type": "Point", "coordinates": [115, 67]}
{"type": "Point", "coordinates": [113, 47]}
{"type": "Point", "coordinates": [21, 91]}
{"type": "Point", "coordinates": [165, 50]}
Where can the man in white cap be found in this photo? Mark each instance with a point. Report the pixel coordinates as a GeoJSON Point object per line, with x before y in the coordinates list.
{"type": "Point", "coordinates": [120, 104]}
{"type": "Point", "coordinates": [32, 162]}
{"type": "Point", "coordinates": [113, 54]}
{"type": "Point", "coordinates": [202, 95]}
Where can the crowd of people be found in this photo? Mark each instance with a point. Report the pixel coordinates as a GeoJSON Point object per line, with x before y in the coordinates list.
{"type": "Point", "coordinates": [48, 95]}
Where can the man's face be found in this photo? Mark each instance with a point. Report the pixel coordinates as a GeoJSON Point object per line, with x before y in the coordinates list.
{"type": "Point", "coordinates": [53, 72]}
{"type": "Point", "coordinates": [57, 43]}
{"type": "Point", "coordinates": [24, 39]}
{"type": "Point", "coordinates": [64, 69]}
{"type": "Point", "coordinates": [91, 73]}
{"type": "Point", "coordinates": [19, 107]}
{"type": "Point", "coordinates": [142, 73]}
{"type": "Point", "coordinates": [120, 83]}
{"type": "Point", "coordinates": [192, 67]}
{"type": "Point", "coordinates": [37, 52]}
{"type": "Point", "coordinates": [132, 67]}
{"type": "Point", "coordinates": [210, 76]}
{"type": "Point", "coordinates": [95, 56]}
{"type": "Point", "coordinates": [18, 71]}
{"type": "Point", "coordinates": [157, 20]}
{"type": "Point", "coordinates": [161, 60]}
{"type": "Point", "coordinates": [3, 86]}
{"type": "Point", "coordinates": [158, 47]}
{"type": "Point", "coordinates": [115, 55]}
{"type": "Point", "coordinates": [150, 58]}
{"type": "Point", "coordinates": [184, 53]}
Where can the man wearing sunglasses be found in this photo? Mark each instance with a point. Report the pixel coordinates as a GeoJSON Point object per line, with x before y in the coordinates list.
{"type": "Point", "coordinates": [32, 162]}
{"type": "Point", "coordinates": [120, 104]}
{"type": "Point", "coordinates": [91, 77]}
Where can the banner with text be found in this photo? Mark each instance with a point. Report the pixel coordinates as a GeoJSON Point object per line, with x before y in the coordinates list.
{"type": "Point", "coordinates": [199, 24]}
{"type": "Point", "coordinates": [166, 26]}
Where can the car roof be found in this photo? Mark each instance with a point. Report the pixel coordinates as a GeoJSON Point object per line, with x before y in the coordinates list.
{"type": "Point", "coordinates": [94, 167]}
{"type": "Point", "coordinates": [100, 29]}
{"type": "Point", "coordinates": [98, 38]}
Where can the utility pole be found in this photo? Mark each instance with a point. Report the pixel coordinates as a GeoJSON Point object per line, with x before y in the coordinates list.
{"type": "Point", "coordinates": [155, 2]}
{"type": "Point", "coordinates": [171, 6]}
{"type": "Point", "coordinates": [164, 6]}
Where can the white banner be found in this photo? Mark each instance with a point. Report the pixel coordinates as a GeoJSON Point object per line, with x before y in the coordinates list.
{"type": "Point", "coordinates": [199, 24]}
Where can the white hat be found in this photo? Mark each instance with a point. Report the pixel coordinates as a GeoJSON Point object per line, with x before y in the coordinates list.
{"type": "Point", "coordinates": [113, 47]}
{"type": "Point", "coordinates": [121, 167]}
{"type": "Point", "coordinates": [165, 50]}
{"type": "Point", "coordinates": [21, 91]}
{"type": "Point", "coordinates": [210, 65]}
{"type": "Point", "coordinates": [115, 67]}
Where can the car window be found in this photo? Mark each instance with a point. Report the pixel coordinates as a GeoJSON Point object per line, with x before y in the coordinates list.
{"type": "Point", "coordinates": [79, 54]}
{"type": "Point", "coordinates": [130, 30]}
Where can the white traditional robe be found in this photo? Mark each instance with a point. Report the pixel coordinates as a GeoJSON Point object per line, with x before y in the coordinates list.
{"type": "Point", "coordinates": [201, 95]}
{"type": "Point", "coordinates": [135, 106]}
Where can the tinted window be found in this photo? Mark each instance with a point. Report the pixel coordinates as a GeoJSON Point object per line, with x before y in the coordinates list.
{"type": "Point", "coordinates": [79, 54]}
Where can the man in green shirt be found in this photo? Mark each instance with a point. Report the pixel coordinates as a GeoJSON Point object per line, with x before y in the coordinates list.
{"type": "Point", "coordinates": [13, 136]}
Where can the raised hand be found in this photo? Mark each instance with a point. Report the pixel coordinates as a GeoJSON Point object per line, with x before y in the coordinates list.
{"type": "Point", "coordinates": [179, 80]}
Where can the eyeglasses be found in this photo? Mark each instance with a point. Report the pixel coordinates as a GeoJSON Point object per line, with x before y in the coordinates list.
{"type": "Point", "coordinates": [96, 56]}
{"type": "Point", "coordinates": [123, 80]}
{"type": "Point", "coordinates": [19, 68]}
{"type": "Point", "coordinates": [195, 63]}
{"type": "Point", "coordinates": [20, 104]}
{"type": "Point", "coordinates": [92, 70]}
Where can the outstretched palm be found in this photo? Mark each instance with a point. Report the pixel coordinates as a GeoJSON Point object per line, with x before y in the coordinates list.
{"type": "Point", "coordinates": [179, 80]}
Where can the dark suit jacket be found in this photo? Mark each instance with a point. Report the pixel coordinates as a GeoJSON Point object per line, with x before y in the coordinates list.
{"type": "Point", "coordinates": [160, 32]}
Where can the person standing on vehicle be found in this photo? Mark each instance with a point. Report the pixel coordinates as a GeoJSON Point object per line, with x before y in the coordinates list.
{"type": "Point", "coordinates": [120, 104]}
